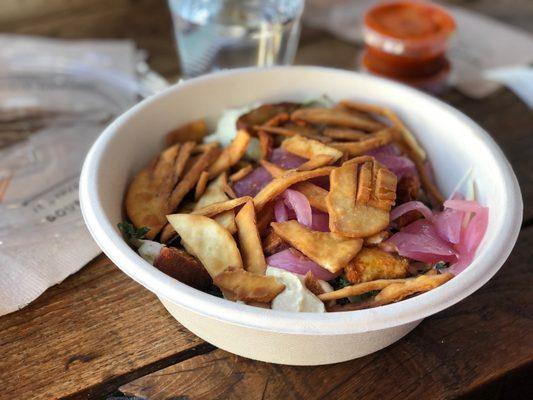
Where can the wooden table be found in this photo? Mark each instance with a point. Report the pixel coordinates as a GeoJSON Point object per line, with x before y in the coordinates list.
{"type": "Point", "coordinates": [100, 334]}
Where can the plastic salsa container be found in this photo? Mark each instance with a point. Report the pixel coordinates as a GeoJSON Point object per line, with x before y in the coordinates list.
{"type": "Point", "coordinates": [407, 41]}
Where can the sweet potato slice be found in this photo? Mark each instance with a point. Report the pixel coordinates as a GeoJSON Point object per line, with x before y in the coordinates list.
{"type": "Point", "coordinates": [207, 240]}
{"type": "Point", "coordinates": [274, 188]}
{"type": "Point", "coordinates": [309, 148]}
{"type": "Point", "coordinates": [193, 131]}
{"type": "Point", "coordinates": [334, 117]}
{"type": "Point", "coordinates": [247, 286]}
{"type": "Point", "coordinates": [329, 250]}
{"type": "Point", "coordinates": [249, 240]}
{"type": "Point", "coordinates": [148, 198]}
{"type": "Point", "coordinates": [231, 154]}
{"type": "Point", "coordinates": [359, 206]}
{"type": "Point", "coordinates": [372, 263]}
{"type": "Point", "coordinates": [183, 267]}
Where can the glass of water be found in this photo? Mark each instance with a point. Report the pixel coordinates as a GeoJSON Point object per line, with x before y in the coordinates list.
{"type": "Point", "coordinates": [220, 34]}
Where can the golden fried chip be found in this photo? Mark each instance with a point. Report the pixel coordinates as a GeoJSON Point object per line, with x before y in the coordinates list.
{"type": "Point", "coordinates": [335, 117]}
{"type": "Point", "coordinates": [314, 193]}
{"type": "Point", "coordinates": [309, 148]}
{"type": "Point", "coordinates": [216, 208]}
{"type": "Point", "coordinates": [312, 284]}
{"type": "Point", "coordinates": [345, 134]}
{"type": "Point", "coordinates": [372, 141]}
{"type": "Point", "coordinates": [275, 187]}
{"type": "Point", "coordinates": [359, 289]}
{"type": "Point", "coordinates": [241, 173]}
{"type": "Point", "coordinates": [250, 243]}
{"type": "Point", "coordinates": [265, 144]}
{"type": "Point", "coordinates": [272, 243]}
{"type": "Point", "coordinates": [293, 130]}
{"type": "Point", "coordinates": [147, 199]}
{"type": "Point", "coordinates": [372, 263]}
{"type": "Point", "coordinates": [263, 114]}
{"type": "Point", "coordinates": [201, 185]}
{"type": "Point", "coordinates": [264, 217]}
{"type": "Point", "coordinates": [230, 155]}
{"type": "Point", "coordinates": [318, 161]}
{"type": "Point", "coordinates": [193, 131]}
{"type": "Point", "coordinates": [215, 193]}
{"type": "Point", "coordinates": [247, 286]}
{"type": "Point", "coordinates": [329, 250]}
{"type": "Point", "coordinates": [208, 241]}
{"type": "Point", "coordinates": [420, 284]}
{"type": "Point", "coordinates": [360, 206]}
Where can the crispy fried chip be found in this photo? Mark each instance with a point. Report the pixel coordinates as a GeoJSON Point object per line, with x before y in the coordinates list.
{"type": "Point", "coordinates": [420, 284]}
{"type": "Point", "coordinates": [312, 284]}
{"type": "Point", "coordinates": [208, 241]}
{"type": "Point", "coordinates": [359, 289]}
{"type": "Point", "coordinates": [263, 114]}
{"type": "Point", "coordinates": [241, 173]}
{"type": "Point", "coordinates": [293, 130]}
{"type": "Point", "coordinates": [265, 144]}
{"type": "Point", "coordinates": [314, 193]}
{"type": "Point", "coordinates": [359, 206]}
{"type": "Point", "coordinates": [193, 131]}
{"type": "Point", "coordinates": [372, 141]}
{"type": "Point", "coordinates": [274, 188]}
{"type": "Point", "coordinates": [309, 148]}
{"type": "Point", "coordinates": [372, 263]}
{"type": "Point", "coordinates": [231, 154]}
{"type": "Point", "coordinates": [345, 134]}
{"type": "Point", "coordinates": [318, 161]}
{"type": "Point", "coordinates": [329, 250]}
{"type": "Point", "coordinates": [247, 286]}
{"type": "Point", "coordinates": [147, 199]}
{"type": "Point", "coordinates": [391, 116]}
{"type": "Point", "coordinates": [201, 185]}
{"type": "Point", "coordinates": [335, 117]}
{"type": "Point", "coordinates": [250, 243]}
{"type": "Point", "coordinates": [272, 243]}
{"type": "Point", "coordinates": [264, 217]}
{"type": "Point", "coordinates": [216, 208]}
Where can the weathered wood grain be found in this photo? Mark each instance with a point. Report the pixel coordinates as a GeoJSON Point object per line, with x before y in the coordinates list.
{"type": "Point", "coordinates": [449, 354]}
{"type": "Point", "coordinates": [95, 327]}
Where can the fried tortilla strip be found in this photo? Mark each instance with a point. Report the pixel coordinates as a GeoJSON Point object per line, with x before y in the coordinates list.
{"type": "Point", "coordinates": [249, 240]}
{"type": "Point", "coordinates": [314, 193]}
{"type": "Point", "coordinates": [372, 141]}
{"type": "Point", "coordinates": [241, 173]}
{"type": "Point", "coordinates": [168, 233]}
{"type": "Point", "coordinates": [247, 286]}
{"type": "Point", "coordinates": [359, 160]}
{"type": "Point", "coordinates": [408, 137]}
{"type": "Point", "coordinates": [208, 241]}
{"type": "Point", "coordinates": [147, 199]}
{"type": "Point", "coordinates": [318, 161]}
{"type": "Point", "coordinates": [329, 250]}
{"type": "Point", "coordinates": [309, 148]}
{"type": "Point", "coordinates": [312, 284]}
{"type": "Point", "coordinates": [230, 192]}
{"type": "Point", "coordinates": [264, 217]}
{"type": "Point", "coordinates": [272, 243]}
{"type": "Point", "coordinates": [345, 134]}
{"type": "Point", "coordinates": [359, 289]}
{"type": "Point", "coordinates": [265, 144]}
{"type": "Point", "coordinates": [372, 263]}
{"type": "Point", "coordinates": [263, 114]}
{"type": "Point", "coordinates": [216, 208]}
{"type": "Point", "coordinates": [231, 154]}
{"type": "Point", "coordinates": [293, 130]}
{"type": "Point", "coordinates": [193, 131]}
{"type": "Point", "coordinates": [201, 185]}
{"type": "Point", "coordinates": [359, 206]}
{"type": "Point", "coordinates": [335, 117]}
{"type": "Point", "coordinates": [275, 187]}
{"type": "Point", "coordinates": [183, 267]}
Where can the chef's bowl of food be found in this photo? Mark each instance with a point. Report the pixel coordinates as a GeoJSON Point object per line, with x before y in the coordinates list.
{"type": "Point", "coordinates": [300, 215]}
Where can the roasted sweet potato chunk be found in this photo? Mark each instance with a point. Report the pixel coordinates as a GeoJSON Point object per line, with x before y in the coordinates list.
{"type": "Point", "coordinates": [183, 267]}
{"type": "Point", "coordinates": [372, 263]}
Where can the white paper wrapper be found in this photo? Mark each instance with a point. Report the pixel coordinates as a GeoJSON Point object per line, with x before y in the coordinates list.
{"type": "Point", "coordinates": [481, 43]}
{"type": "Point", "coordinates": [57, 96]}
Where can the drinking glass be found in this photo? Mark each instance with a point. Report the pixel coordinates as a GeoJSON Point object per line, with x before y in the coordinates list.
{"type": "Point", "coordinates": [220, 34]}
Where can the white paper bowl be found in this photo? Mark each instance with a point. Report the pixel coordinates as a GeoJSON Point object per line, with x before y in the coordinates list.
{"type": "Point", "coordinates": [454, 144]}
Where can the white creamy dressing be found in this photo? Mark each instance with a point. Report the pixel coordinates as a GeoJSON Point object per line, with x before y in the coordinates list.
{"type": "Point", "coordinates": [149, 250]}
{"type": "Point", "coordinates": [295, 297]}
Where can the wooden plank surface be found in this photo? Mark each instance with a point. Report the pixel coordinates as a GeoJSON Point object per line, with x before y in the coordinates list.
{"type": "Point", "coordinates": [99, 330]}
{"type": "Point", "coordinates": [95, 327]}
{"type": "Point", "coordinates": [449, 354]}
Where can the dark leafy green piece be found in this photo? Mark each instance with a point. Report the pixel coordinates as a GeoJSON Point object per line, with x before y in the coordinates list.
{"type": "Point", "coordinates": [130, 232]}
